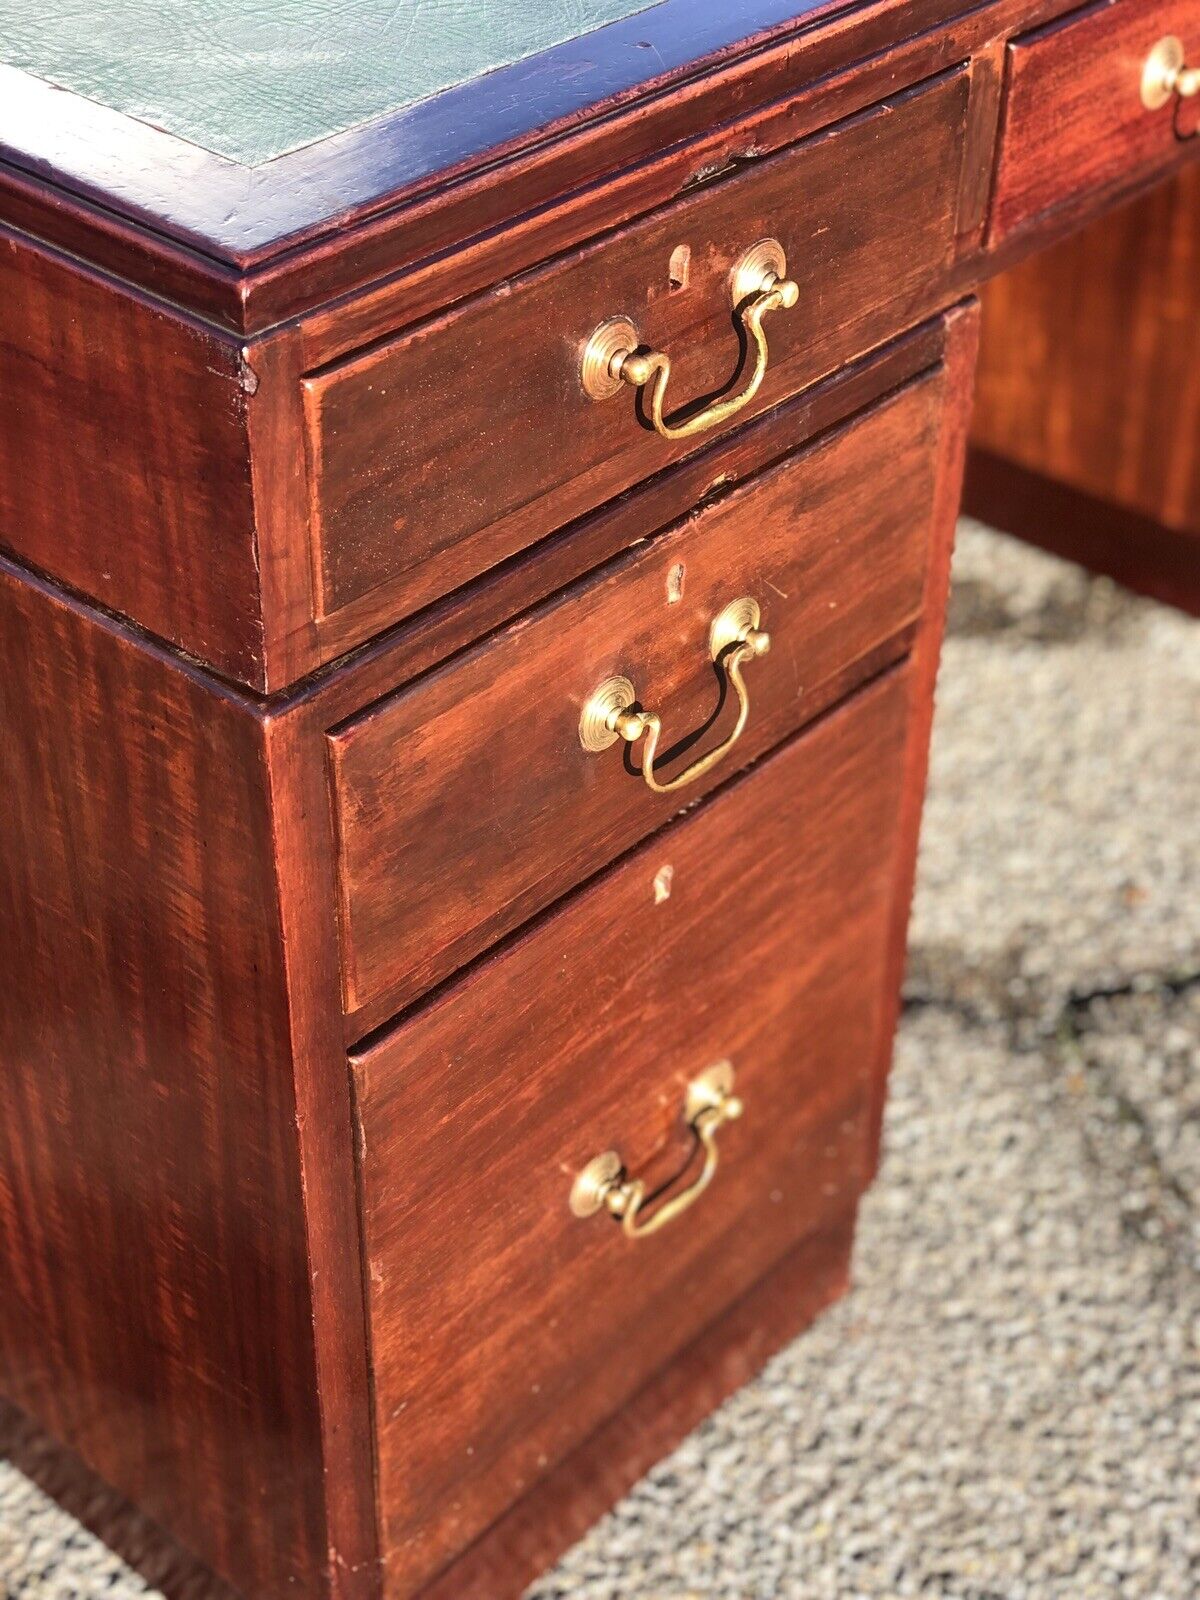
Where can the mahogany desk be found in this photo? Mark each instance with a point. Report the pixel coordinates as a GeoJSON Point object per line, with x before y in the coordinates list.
{"type": "Point", "coordinates": [476, 491]}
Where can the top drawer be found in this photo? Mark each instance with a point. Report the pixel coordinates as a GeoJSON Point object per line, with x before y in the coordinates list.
{"type": "Point", "coordinates": [1086, 110]}
{"type": "Point", "coordinates": [470, 437]}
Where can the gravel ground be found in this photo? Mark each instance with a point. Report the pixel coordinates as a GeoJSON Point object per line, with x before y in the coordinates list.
{"type": "Point", "coordinates": [1007, 1407]}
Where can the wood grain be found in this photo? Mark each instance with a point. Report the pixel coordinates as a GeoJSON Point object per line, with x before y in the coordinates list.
{"type": "Point", "coordinates": [867, 214]}
{"type": "Point", "coordinates": [831, 543]}
{"type": "Point", "coordinates": [503, 1329]}
{"type": "Point", "coordinates": [305, 878]}
{"type": "Point", "coordinates": [1088, 406]}
{"type": "Point", "coordinates": [252, 248]}
{"type": "Point", "coordinates": [559, 1509]}
{"type": "Point", "coordinates": [456, 621]}
{"type": "Point", "coordinates": [154, 1275]}
{"type": "Point", "coordinates": [1074, 124]}
{"type": "Point", "coordinates": [962, 344]}
{"type": "Point", "coordinates": [124, 459]}
{"type": "Point", "coordinates": [147, 1546]}
{"type": "Point", "coordinates": [1090, 359]}
{"type": "Point", "coordinates": [1133, 549]}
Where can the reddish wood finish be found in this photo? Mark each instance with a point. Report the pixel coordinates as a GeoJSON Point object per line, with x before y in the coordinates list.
{"type": "Point", "coordinates": [228, 574]}
{"type": "Point", "coordinates": [185, 1179]}
{"type": "Point", "coordinates": [477, 1111]}
{"type": "Point", "coordinates": [275, 242]}
{"type": "Point", "coordinates": [724, 122]}
{"type": "Point", "coordinates": [1089, 396]}
{"type": "Point", "coordinates": [434, 457]}
{"type": "Point", "coordinates": [492, 740]}
{"type": "Point", "coordinates": [559, 1509]}
{"type": "Point", "coordinates": [239, 215]}
{"type": "Point", "coordinates": [1074, 123]}
{"type": "Point", "coordinates": [145, 1544]}
{"type": "Point", "coordinates": [124, 460]}
{"type": "Point", "coordinates": [962, 343]}
{"type": "Point", "coordinates": [1133, 549]}
{"type": "Point", "coordinates": [452, 624]}
{"type": "Point", "coordinates": [154, 1275]}
{"type": "Point", "coordinates": [303, 861]}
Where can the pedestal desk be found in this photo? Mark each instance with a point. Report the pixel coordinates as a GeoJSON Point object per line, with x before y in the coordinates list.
{"type": "Point", "coordinates": [476, 495]}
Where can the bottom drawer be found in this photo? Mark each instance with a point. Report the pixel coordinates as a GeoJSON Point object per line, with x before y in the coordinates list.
{"type": "Point", "coordinates": [504, 1328]}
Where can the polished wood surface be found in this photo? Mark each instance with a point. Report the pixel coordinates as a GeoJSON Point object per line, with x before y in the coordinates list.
{"type": "Point", "coordinates": [250, 248]}
{"type": "Point", "coordinates": [251, 597]}
{"type": "Point", "coordinates": [154, 1553]}
{"type": "Point", "coordinates": [559, 1509]}
{"type": "Point", "coordinates": [962, 344]}
{"type": "Point", "coordinates": [233, 211]}
{"type": "Point", "coordinates": [1135, 550]}
{"type": "Point", "coordinates": [124, 459]}
{"type": "Point", "coordinates": [832, 545]}
{"type": "Point", "coordinates": [476, 1113]}
{"type": "Point", "coordinates": [1074, 123]}
{"type": "Point", "coordinates": [1088, 411]}
{"type": "Point", "coordinates": [879, 197]}
{"type": "Point", "coordinates": [398, 655]}
{"type": "Point", "coordinates": [154, 1272]}
{"type": "Point", "coordinates": [277, 776]}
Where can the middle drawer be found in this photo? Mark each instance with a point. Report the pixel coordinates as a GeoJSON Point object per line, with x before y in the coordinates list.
{"type": "Point", "coordinates": [829, 545]}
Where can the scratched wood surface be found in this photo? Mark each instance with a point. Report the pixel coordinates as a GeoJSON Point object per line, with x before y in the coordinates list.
{"type": "Point", "coordinates": [124, 457]}
{"type": "Point", "coordinates": [421, 497]}
{"type": "Point", "coordinates": [154, 1272]}
{"type": "Point", "coordinates": [1074, 123]}
{"type": "Point", "coordinates": [492, 739]}
{"type": "Point", "coordinates": [494, 1357]}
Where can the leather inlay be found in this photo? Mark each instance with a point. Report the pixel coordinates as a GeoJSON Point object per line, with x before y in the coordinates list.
{"type": "Point", "coordinates": [251, 81]}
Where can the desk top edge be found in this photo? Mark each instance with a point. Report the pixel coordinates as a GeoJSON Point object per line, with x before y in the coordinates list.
{"type": "Point", "coordinates": [240, 216]}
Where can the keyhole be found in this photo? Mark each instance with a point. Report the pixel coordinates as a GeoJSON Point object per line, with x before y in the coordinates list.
{"type": "Point", "coordinates": [681, 265]}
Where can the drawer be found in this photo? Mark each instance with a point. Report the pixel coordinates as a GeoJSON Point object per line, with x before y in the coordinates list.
{"type": "Point", "coordinates": [1075, 121]}
{"type": "Point", "coordinates": [503, 1327]}
{"type": "Point", "coordinates": [441, 452]}
{"type": "Point", "coordinates": [830, 544]}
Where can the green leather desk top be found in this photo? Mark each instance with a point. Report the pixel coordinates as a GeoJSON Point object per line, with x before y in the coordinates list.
{"type": "Point", "coordinates": [254, 79]}
{"type": "Point", "coordinates": [250, 131]}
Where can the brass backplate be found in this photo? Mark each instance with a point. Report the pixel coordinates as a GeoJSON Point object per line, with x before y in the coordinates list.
{"type": "Point", "coordinates": [709, 1088]}
{"type": "Point", "coordinates": [614, 694]}
{"type": "Point", "coordinates": [613, 338]}
{"type": "Point", "coordinates": [731, 624]}
{"type": "Point", "coordinates": [758, 269]}
{"type": "Point", "coordinates": [1161, 72]}
{"type": "Point", "coordinates": [594, 1182]}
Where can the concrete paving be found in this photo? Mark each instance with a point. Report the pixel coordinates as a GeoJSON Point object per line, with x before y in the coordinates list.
{"type": "Point", "coordinates": [1007, 1407]}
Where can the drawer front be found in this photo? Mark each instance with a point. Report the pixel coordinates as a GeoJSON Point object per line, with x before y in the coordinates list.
{"type": "Point", "coordinates": [503, 1327]}
{"type": "Point", "coordinates": [487, 751]}
{"type": "Point", "coordinates": [1075, 121]}
{"type": "Point", "coordinates": [446, 450]}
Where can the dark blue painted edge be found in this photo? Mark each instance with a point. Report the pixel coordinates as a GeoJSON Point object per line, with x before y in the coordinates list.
{"type": "Point", "coordinates": [244, 215]}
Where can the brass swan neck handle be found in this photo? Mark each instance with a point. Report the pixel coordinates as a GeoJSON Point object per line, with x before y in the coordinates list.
{"type": "Point", "coordinates": [613, 358]}
{"type": "Point", "coordinates": [734, 638]}
{"type": "Point", "coordinates": [604, 1184]}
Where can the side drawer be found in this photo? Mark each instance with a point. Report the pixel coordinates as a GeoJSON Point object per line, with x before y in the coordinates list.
{"type": "Point", "coordinates": [1075, 119]}
{"type": "Point", "coordinates": [440, 453]}
{"type": "Point", "coordinates": [504, 1328]}
{"type": "Point", "coordinates": [831, 544]}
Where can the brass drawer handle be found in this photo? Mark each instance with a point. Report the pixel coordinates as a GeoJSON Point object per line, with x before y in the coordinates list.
{"type": "Point", "coordinates": [605, 1185]}
{"type": "Point", "coordinates": [1166, 73]}
{"type": "Point", "coordinates": [612, 358]}
{"type": "Point", "coordinates": [735, 637]}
